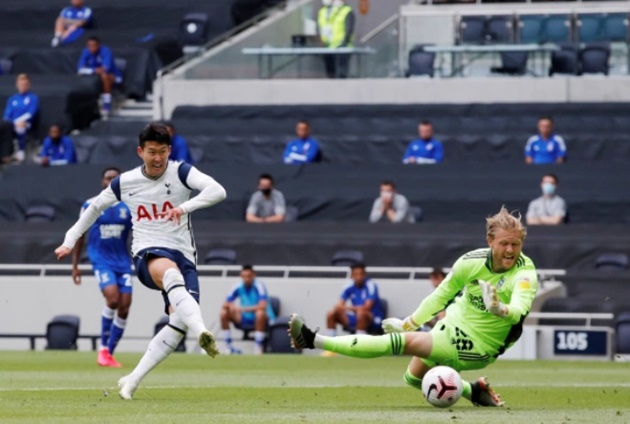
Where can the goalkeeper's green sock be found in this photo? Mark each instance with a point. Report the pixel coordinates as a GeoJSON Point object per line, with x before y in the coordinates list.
{"type": "Point", "coordinates": [466, 389]}
{"type": "Point", "coordinates": [363, 346]}
{"type": "Point", "coordinates": [412, 380]}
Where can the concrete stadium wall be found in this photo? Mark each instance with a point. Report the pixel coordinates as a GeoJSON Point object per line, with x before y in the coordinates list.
{"type": "Point", "coordinates": [390, 91]}
{"type": "Point", "coordinates": [28, 303]}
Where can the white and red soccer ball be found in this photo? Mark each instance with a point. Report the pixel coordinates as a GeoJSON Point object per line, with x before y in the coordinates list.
{"type": "Point", "coordinates": [442, 386]}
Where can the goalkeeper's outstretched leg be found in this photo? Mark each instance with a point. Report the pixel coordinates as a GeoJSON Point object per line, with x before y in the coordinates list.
{"type": "Point", "coordinates": [417, 344]}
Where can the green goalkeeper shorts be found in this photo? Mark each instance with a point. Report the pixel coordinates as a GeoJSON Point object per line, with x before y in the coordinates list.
{"type": "Point", "coordinates": [452, 347]}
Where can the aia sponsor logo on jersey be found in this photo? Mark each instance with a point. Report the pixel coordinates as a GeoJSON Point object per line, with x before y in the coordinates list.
{"type": "Point", "coordinates": [153, 211]}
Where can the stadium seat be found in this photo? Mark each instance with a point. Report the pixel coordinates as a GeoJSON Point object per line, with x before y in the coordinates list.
{"type": "Point", "coordinates": [193, 29]}
{"type": "Point", "coordinates": [530, 29]}
{"type": "Point", "coordinates": [615, 27]}
{"type": "Point", "coordinates": [559, 304]}
{"type": "Point", "coordinates": [62, 332]}
{"type": "Point", "coordinates": [181, 347]}
{"type": "Point", "coordinates": [347, 258]}
{"type": "Point", "coordinates": [594, 58]}
{"type": "Point", "coordinates": [40, 214]}
{"type": "Point", "coordinates": [420, 62]}
{"type": "Point", "coordinates": [589, 27]}
{"type": "Point", "coordinates": [622, 329]}
{"type": "Point", "coordinates": [121, 64]}
{"type": "Point", "coordinates": [472, 30]}
{"type": "Point", "coordinates": [565, 60]}
{"type": "Point", "coordinates": [417, 212]}
{"type": "Point", "coordinates": [375, 329]}
{"type": "Point", "coordinates": [5, 66]}
{"type": "Point", "coordinates": [278, 340]}
{"type": "Point", "coordinates": [512, 63]}
{"type": "Point", "coordinates": [291, 214]}
{"type": "Point", "coordinates": [500, 29]}
{"type": "Point", "coordinates": [557, 29]}
{"type": "Point", "coordinates": [221, 257]}
{"type": "Point", "coordinates": [612, 262]}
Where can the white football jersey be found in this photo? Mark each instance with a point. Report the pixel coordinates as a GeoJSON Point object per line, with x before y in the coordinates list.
{"type": "Point", "coordinates": [149, 199]}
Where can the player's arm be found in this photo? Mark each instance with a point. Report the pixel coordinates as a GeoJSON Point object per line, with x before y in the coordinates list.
{"type": "Point", "coordinates": [279, 210]}
{"type": "Point", "coordinates": [76, 256]}
{"type": "Point", "coordinates": [438, 154]}
{"type": "Point", "coordinates": [91, 214]}
{"type": "Point", "coordinates": [312, 152]}
{"type": "Point", "coordinates": [210, 193]}
{"type": "Point", "coordinates": [83, 68]}
{"type": "Point", "coordinates": [433, 303]}
{"type": "Point", "coordinates": [525, 288]}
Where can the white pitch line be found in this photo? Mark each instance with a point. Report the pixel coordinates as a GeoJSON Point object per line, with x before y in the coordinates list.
{"type": "Point", "coordinates": [314, 386]}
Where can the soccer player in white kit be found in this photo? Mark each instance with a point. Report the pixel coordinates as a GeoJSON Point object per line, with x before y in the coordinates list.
{"type": "Point", "coordinates": [158, 195]}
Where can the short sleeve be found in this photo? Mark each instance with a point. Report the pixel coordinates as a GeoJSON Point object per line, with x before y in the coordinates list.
{"type": "Point", "coordinates": [279, 207]}
{"type": "Point", "coordinates": [262, 290]}
{"type": "Point", "coordinates": [252, 208]}
{"type": "Point", "coordinates": [372, 291]}
{"type": "Point", "coordinates": [233, 294]}
{"type": "Point", "coordinates": [346, 293]}
{"type": "Point", "coordinates": [531, 210]}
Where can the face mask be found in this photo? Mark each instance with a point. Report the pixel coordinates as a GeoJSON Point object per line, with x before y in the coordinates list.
{"type": "Point", "coordinates": [386, 195]}
{"type": "Point", "coordinates": [327, 3]}
{"type": "Point", "coordinates": [548, 188]}
{"type": "Point", "coordinates": [337, 3]}
{"type": "Point", "coordinates": [266, 191]}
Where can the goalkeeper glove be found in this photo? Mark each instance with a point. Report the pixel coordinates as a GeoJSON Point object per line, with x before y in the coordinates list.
{"type": "Point", "coordinates": [491, 300]}
{"type": "Point", "coordinates": [395, 325]}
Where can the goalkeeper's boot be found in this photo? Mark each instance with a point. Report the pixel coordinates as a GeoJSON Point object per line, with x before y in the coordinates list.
{"type": "Point", "coordinates": [302, 337]}
{"type": "Point", "coordinates": [208, 343]}
{"type": "Point", "coordinates": [126, 387]}
{"type": "Point", "coordinates": [484, 395]}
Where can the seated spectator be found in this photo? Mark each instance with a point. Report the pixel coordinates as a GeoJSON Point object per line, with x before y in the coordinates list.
{"type": "Point", "coordinates": [303, 149]}
{"type": "Point", "coordinates": [548, 209]}
{"type": "Point", "coordinates": [57, 148]}
{"type": "Point", "coordinates": [71, 23]}
{"type": "Point", "coordinates": [179, 148]}
{"type": "Point", "coordinates": [21, 110]}
{"type": "Point", "coordinates": [364, 311]}
{"type": "Point", "coordinates": [425, 149]}
{"type": "Point", "coordinates": [545, 147]}
{"type": "Point", "coordinates": [98, 59]}
{"type": "Point", "coordinates": [391, 206]}
{"type": "Point", "coordinates": [253, 309]}
{"type": "Point", "coordinates": [267, 204]}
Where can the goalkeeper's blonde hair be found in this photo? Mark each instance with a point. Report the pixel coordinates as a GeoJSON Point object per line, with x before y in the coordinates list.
{"type": "Point", "coordinates": [507, 221]}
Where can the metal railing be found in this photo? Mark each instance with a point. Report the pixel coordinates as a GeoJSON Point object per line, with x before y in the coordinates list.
{"type": "Point", "coordinates": [585, 316]}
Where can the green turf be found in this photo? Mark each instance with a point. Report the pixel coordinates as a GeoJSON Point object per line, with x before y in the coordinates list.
{"type": "Point", "coordinates": [68, 387]}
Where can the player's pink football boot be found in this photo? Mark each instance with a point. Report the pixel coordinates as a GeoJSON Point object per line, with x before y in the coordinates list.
{"type": "Point", "coordinates": [103, 359]}
{"type": "Point", "coordinates": [113, 363]}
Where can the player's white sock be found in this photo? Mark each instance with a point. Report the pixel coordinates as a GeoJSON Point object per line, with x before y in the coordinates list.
{"type": "Point", "coordinates": [186, 307]}
{"type": "Point", "coordinates": [319, 341]}
{"type": "Point", "coordinates": [361, 332]}
{"type": "Point", "coordinates": [332, 332]}
{"type": "Point", "coordinates": [162, 345]}
{"type": "Point", "coordinates": [226, 335]}
{"type": "Point", "coordinates": [259, 337]}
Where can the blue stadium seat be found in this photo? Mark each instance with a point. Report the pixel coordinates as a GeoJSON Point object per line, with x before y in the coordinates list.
{"type": "Point", "coordinates": [347, 258]}
{"type": "Point", "coordinates": [417, 212]}
{"type": "Point", "coordinates": [40, 214]}
{"type": "Point", "coordinates": [512, 63]}
{"type": "Point", "coordinates": [500, 29]}
{"type": "Point", "coordinates": [221, 257]}
{"type": "Point", "coordinates": [557, 28]}
{"type": "Point", "coordinates": [6, 65]}
{"type": "Point", "coordinates": [615, 27]}
{"type": "Point", "coordinates": [589, 27]}
{"type": "Point", "coordinates": [531, 28]}
{"type": "Point", "coordinates": [278, 340]}
{"type": "Point", "coordinates": [62, 332]}
{"type": "Point", "coordinates": [291, 214]}
{"type": "Point", "coordinates": [565, 60]}
{"type": "Point", "coordinates": [594, 58]}
{"type": "Point", "coordinates": [612, 262]}
{"type": "Point", "coordinates": [420, 62]}
{"type": "Point", "coordinates": [472, 30]}
{"type": "Point", "coordinates": [622, 329]}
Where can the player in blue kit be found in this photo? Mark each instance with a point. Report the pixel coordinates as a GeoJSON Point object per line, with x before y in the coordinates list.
{"type": "Point", "coordinates": [111, 261]}
{"type": "Point", "coordinates": [71, 22]}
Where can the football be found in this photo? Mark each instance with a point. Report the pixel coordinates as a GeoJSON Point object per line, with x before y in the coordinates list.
{"type": "Point", "coordinates": [442, 386]}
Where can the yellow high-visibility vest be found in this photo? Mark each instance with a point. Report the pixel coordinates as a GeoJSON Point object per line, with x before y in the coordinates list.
{"type": "Point", "coordinates": [332, 26]}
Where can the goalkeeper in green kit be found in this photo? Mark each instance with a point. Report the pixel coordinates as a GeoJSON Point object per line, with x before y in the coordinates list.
{"type": "Point", "coordinates": [487, 296]}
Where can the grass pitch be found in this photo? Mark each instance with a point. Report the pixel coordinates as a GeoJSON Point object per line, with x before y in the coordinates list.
{"type": "Point", "coordinates": [68, 387]}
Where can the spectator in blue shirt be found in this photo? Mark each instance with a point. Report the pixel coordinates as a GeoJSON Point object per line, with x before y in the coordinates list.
{"type": "Point", "coordinates": [71, 23]}
{"type": "Point", "coordinates": [546, 147]}
{"type": "Point", "coordinates": [179, 148]}
{"type": "Point", "coordinates": [303, 149]}
{"type": "Point", "coordinates": [97, 59]}
{"type": "Point", "coordinates": [364, 311]}
{"type": "Point", "coordinates": [425, 149]}
{"type": "Point", "coordinates": [57, 148]}
{"type": "Point", "coordinates": [254, 309]}
{"type": "Point", "coordinates": [21, 109]}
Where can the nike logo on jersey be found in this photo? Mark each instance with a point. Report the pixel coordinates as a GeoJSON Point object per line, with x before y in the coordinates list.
{"type": "Point", "coordinates": [131, 194]}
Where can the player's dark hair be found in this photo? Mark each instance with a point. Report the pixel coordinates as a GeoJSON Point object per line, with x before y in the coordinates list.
{"type": "Point", "coordinates": [546, 118]}
{"type": "Point", "coordinates": [94, 38]}
{"type": "Point", "coordinates": [56, 124]}
{"type": "Point", "coordinates": [554, 176]}
{"type": "Point", "coordinates": [154, 132]}
{"type": "Point", "coordinates": [437, 272]}
{"type": "Point", "coordinates": [389, 183]}
{"type": "Point", "coordinates": [425, 122]}
{"type": "Point", "coordinates": [357, 265]}
{"type": "Point", "coordinates": [248, 268]}
{"type": "Point", "coordinates": [110, 168]}
{"type": "Point", "coordinates": [304, 121]}
{"type": "Point", "coordinates": [266, 177]}
{"type": "Point", "coordinates": [169, 124]}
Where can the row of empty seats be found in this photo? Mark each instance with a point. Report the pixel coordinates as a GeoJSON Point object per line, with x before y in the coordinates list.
{"type": "Point", "coordinates": [539, 28]}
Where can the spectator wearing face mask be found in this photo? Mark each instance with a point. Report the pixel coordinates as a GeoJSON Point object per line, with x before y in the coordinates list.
{"type": "Point", "coordinates": [391, 206]}
{"type": "Point", "coordinates": [267, 204]}
{"type": "Point", "coordinates": [548, 209]}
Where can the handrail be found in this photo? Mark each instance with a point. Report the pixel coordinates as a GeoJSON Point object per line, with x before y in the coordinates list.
{"type": "Point", "coordinates": [587, 316]}
{"type": "Point", "coordinates": [387, 22]}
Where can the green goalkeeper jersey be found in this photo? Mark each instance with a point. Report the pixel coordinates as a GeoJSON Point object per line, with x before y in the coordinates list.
{"type": "Point", "coordinates": [461, 296]}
